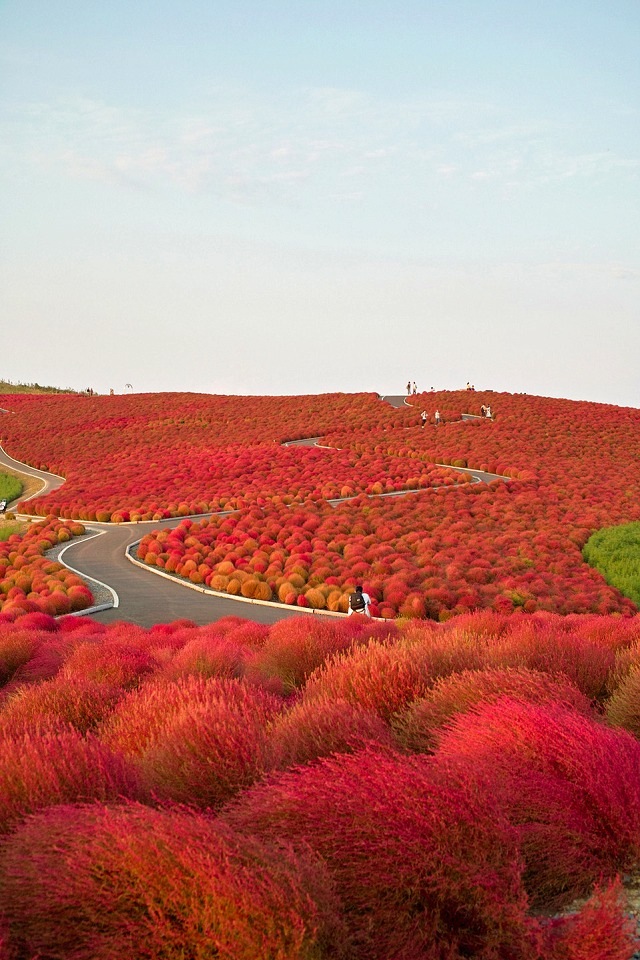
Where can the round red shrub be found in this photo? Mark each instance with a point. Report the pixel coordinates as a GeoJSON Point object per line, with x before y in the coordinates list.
{"type": "Point", "coordinates": [539, 645]}
{"type": "Point", "coordinates": [382, 677]}
{"type": "Point", "coordinates": [57, 704]}
{"type": "Point", "coordinates": [211, 655]}
{"type": "Point", "coordinates": [296, 646]}
{"type": "Point", "coordinates": [321, 727]}
{"type": "Point", "coordinates": [196, 740]}
{"type": "Point", "coordinates": [423, 868]}
{"type": "Point", "coordinates": [417, 726]}
{"type": "Point", "coordinates": [127, 882]}
{"type": "Point", "coordinates": [601, 929]}
{"type": "Point", "coordinates": [39, 770]}
{"type": "Point", "coordinates": [570, 784]}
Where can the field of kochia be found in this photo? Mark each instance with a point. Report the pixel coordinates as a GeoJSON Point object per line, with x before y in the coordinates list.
{"type": "Point", "coordinates": [448, 547]}
{"type": "Point", "coordinates": [320, 789]}
{"type": "Point", "coordinates": [460, 782]}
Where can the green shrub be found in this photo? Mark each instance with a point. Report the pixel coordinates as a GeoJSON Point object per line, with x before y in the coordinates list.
{"type": "Point", "coordinates": [10, 487]}
{"type": "Point", "coordinates": [615, 552]}
{"type": "Point", "coordinates": [7, 529]}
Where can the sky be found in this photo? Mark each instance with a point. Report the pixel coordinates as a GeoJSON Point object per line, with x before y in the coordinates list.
{"type": "Point", "coordinates": [284, 197]}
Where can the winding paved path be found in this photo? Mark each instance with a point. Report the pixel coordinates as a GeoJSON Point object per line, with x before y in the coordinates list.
{"type": "Point", "coordinates": [139, 594]}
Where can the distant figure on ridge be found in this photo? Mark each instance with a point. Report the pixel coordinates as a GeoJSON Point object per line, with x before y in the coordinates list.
{"type": "Point", "coordinates": [415, 389]}
{"type": "Point", "coordinates": [359, 602]}
{"type": "Point", "coordinates": [408, 387]}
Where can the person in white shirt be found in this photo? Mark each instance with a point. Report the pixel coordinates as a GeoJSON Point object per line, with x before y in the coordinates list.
{"type": "Point", "coordinates": [359, 602]}
{"type": "Point", "coordinates": [437, 417]}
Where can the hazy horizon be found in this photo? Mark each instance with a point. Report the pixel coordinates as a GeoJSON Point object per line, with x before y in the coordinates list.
{"type": "Point", "coordinates": [276, 198]}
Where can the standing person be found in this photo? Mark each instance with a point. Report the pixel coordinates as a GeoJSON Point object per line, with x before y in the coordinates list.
{"type": "Point", "coordinates": [408, 387]}
{"type": "Point", "coordinates": [423, 418]}
{"type": "Point", "coordinates": [415, 389]}
{"type": "Point", "coordinates": [483, 411]}
{"type": "Point", "coordinates": [437, 417]}
{"type": "Point", "coordinates": [488, 413]}
{"type": "Point", "coordinates": [359, 602]}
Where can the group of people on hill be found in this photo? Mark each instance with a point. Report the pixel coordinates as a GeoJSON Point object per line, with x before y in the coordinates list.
{"type": "Point", "coordinates": [412, 388]}
{"type": "Point", "coordinates": [424, 416]}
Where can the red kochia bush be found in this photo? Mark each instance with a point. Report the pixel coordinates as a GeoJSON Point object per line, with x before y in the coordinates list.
{"type": "Point", "coordinates": [122, 661]}
{"type": "Point", "coordinates": [206, 656]}
{"type": "Point", "coordinates": [56, 705]}
{"type": "Point", "coordinates": [93, 883]}
{"type": "Point", "coordinates": [543, 645]}
{"type": "Point", "coordinates": [16, 648]}
{"type": "Point", "coordinates": [316, 729]}
{"type": "Point", "coordinates": [195, 741]}
{"type": "Point", "coordinates": [41, 770]}
{"type": "Point", "coordinates": [570, 784]}
{"type": "Point", "coordinates": [600, 930]}
{"type": "Point", "coordinates": [417, 726]}
{"type": "Point", "coordinates": [295, 647]}
{"type": "Point", "coordinates": [379, 676]}
{"type": "Point", "coordinates": [423, 868]}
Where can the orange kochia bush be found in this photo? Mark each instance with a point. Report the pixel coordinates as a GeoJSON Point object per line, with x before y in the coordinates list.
{"type": "Point", "coordinates": [30, 582]}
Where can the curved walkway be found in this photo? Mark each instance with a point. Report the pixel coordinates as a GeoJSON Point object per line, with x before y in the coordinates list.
{"type": "Point", "coordinates": [145, 596]}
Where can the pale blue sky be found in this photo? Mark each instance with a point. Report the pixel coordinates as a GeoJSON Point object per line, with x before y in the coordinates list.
{"type": "Point", "coordinates": [284, 197]}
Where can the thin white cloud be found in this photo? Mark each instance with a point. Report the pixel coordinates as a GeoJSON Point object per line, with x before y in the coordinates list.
{"type": "Point", "coordinates": [282, 143]}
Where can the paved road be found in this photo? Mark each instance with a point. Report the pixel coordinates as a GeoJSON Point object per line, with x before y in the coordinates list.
{"type": "Point", "coordinates": [146, 598]}
{"type": "Point", "coordinates": [142, 596]}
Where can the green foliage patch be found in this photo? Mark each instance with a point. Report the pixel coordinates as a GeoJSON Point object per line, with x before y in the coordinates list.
{"type": "Point", "coordinates": [7, 386]}
{"type": "Point", "coordinates": [10, 487]}
{"type": "Point", "coordinates": [615, 552]}
{"type": "Point", "coordinates": [6, 529]}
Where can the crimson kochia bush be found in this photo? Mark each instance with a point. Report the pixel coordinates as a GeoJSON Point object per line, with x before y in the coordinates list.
{"type": "Point", "coordinates": [423, 867]}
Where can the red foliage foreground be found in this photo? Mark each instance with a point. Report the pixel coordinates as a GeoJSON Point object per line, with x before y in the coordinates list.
{"type": "Point", "coordinates": [29, 582]}
{"type": "Point", "coordinates": [132, 882]}
{"type": "Point", "coordinates": [347, 789]}
{"type": "Point", "coordinates": [568, 783]}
